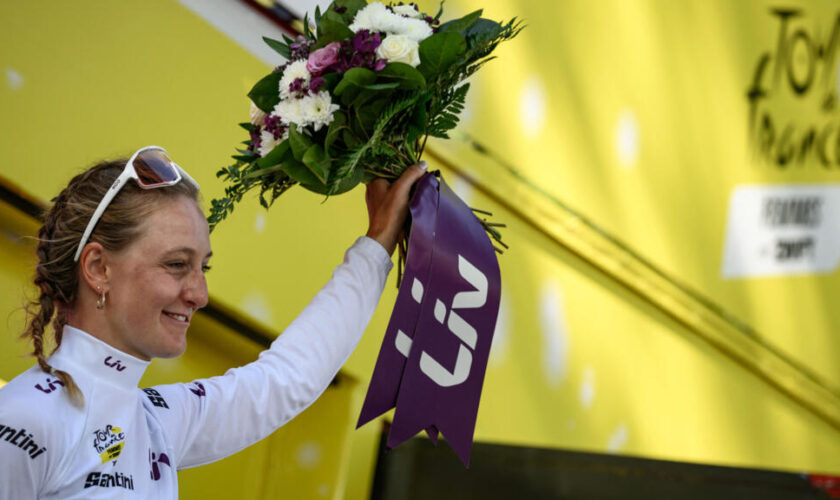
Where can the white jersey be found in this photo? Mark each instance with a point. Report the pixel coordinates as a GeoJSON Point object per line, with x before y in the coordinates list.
{"type": "Point", "coordinates": [128, 442]}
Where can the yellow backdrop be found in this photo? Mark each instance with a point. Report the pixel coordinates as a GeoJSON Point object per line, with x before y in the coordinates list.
{"type": "Point", "coordinates": [636, 114]}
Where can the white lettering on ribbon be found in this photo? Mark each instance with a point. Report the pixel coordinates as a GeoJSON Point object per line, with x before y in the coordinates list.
{"type": "Point", "coordinates": [470, 299]}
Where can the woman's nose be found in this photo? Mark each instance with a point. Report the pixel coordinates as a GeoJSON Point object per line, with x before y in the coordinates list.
{"type": "Point", "coordinates": [195, 291]}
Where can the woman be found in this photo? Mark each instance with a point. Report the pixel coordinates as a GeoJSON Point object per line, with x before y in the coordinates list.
{"type": "Point", "coordinates": [122, 256]}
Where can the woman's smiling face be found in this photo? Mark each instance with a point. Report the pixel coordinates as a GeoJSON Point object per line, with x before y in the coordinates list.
{"type": "Point", "coordinates": [157, 282]}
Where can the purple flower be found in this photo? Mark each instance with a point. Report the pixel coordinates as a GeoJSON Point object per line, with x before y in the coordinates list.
{"type": "Point", "coordinates": [357, 60]}
{"type": "Point", "coordinates": [365, 41]}
{"type": "Point", "coordinates": [300, 48]}
{"type": "Point", "coordinates": [379, 65]}
{"type": "Point", "coordinates": [256, 140]}
{"type": "Point", "coordinates": [274, 125]}
{"type": "Point", "coordinates": [315, 84]}
{"type": "Point", "coordinates": [323, 58]}
{"type": "Point", "coordinates": [296, 85]}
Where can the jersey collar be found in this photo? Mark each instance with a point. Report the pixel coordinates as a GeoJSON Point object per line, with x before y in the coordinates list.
{"type": "Point", "coordinates": [98, 359]}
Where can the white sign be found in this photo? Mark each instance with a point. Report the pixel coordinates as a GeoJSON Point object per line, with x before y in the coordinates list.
{"type": "Point", "coordinates": [782, 230]}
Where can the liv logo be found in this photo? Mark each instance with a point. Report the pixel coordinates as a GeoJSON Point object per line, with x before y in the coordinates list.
{"type": "Point", "coordinates": [457, 326]}
{"type": "Point", "coordinates": [154, 460]}
{"type": "Point", "coordinates": [198, 390]}
{"type": "Point", "coordinates": [51, 385]}
{"type": "Point", "coordinates": [115, 364]}
{"type": "Point", "coordinates": [432, 363]}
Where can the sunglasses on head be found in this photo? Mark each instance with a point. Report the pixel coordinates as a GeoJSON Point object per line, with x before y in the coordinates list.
{"type": "Point", "coordinates": [151, 168]}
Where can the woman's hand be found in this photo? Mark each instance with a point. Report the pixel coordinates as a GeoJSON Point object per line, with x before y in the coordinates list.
{"type": "Point", "coordinates": [387, 206]}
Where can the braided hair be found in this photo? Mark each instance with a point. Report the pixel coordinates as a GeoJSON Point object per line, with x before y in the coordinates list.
{"type": "Point", "coordinates": [57, 274]}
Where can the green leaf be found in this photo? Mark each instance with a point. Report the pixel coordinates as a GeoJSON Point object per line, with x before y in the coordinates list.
{"type": "Point", "coordinates": [352, 6]}
{"type": "Point", "coordinates": [275, 156]}
{"type": "Point", "coordinates": [440, 10]}
{"type": "Point", "coordinates": [459, 25]}
{"type": "Point", "coordinates": [338, 124]}
{"type": "Point", "coordinates": [368, 106]}
{"type": "Point", "coordinates": [347, 166]}
{"type": "Point", "coordinates": [307, 30]}
{"type": "Point", "coordinates": [247, 126]}
{"type": "Point", "coordinates": [382, 86]}
{"type": "Point", "coordinates": [299, 142]}
{"type": "Point", "coordinates": [417, 121]}
{"type": "Point", "coordinates": [408, 77]}
{"type": "Point", "coordinates": [298, 171]}
{"type": "Point", "coordinates": [355, 76]}
{"type": "Point", "coordinates": [350, 139]}
{"type": "Point", "coordinates": [349, 181]}
{"type": "Point", "coordinates": [263, 171]}
{"type": "Point", "coordinates": [333, 28]}
{"type": "Point", "coordinates": [348, 95]}
{"type": "Point", "coordinates": [278, 46]}
{"type": "Point", "coordinates": [482, 31]}
{"type": "Point", "coordinates": [266, 93]}
{"type": "Point", "coordinates": [439, 52]}
{"type": "Point", "coordinates": [318, 161]}
{"type": "Point", "coordinates": [367, 96]}
{"type": "Point", "coordinates": [331, 80]}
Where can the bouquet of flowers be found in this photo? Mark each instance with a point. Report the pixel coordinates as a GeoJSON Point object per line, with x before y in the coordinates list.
{"type": "Point", "coordinates": [358, 96]}
{"type": "Point", "coordinates": [356, 99]}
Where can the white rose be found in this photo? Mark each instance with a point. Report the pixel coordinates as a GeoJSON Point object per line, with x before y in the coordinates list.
{"type": "Point", "coordinates": [407, 10]}
{"type": "Point", "coordinates": [399, 48]}
{"type": "Point", "coordinates": [257, 115]}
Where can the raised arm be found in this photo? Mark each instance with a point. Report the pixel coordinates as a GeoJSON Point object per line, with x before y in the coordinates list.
{"type": "Point", "coordinates": [212, 418]}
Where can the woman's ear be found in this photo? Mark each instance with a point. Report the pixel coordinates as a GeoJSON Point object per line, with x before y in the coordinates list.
{"type": "Point", "coordinates": [93, 264]}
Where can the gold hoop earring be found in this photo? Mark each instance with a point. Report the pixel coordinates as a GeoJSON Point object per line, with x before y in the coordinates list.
{"type": "Point", "coordinates": [100, 302]}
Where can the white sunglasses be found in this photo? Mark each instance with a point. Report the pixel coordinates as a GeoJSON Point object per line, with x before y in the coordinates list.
{"type": "Point", "coordinates": [151, 168]}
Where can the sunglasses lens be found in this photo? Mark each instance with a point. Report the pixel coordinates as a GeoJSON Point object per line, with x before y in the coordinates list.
{"type": "Point", "coordinates": [154, 168]}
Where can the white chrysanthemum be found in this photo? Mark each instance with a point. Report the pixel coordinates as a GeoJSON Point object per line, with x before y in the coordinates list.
{"type": "Point", "coordinates": [293, 71]}
{"type": "Point", "coordinates": [407, 10]}
{"type": "Point", "coordinates": [399, 48]}
{"type": "Point", "coordinates": [318, 109]}
{"type": "Point", "coordinates": [268, 142]}
{"type": "Point", "coordinates": [416, 29]}
{"type": "Point", "coordinates": [374, 17]}
{"type": "Point", "coordinates": [257, 115]}
{"type": "Point", "coordinates": [290, 111]}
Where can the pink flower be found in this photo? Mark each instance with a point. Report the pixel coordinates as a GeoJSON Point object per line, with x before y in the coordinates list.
{"type": "Point", "coordinates": [322, 58]}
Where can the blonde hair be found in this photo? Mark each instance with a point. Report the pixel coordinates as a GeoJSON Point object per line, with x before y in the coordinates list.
{"type": "Point", "coordinates": [57, 275]}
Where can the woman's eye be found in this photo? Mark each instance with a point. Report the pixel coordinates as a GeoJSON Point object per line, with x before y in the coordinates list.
{"type": "Point", "coordinates": [178, 266]}
{"type": "Point", "coordinates": [205, 268]}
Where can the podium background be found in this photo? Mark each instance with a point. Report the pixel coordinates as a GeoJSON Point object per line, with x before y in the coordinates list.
{"type": "Point", "coordinates": [634, 114]}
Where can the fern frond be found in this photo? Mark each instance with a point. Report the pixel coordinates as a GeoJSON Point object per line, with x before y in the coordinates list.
{"type": "Point", "coordinates": [353, 160]}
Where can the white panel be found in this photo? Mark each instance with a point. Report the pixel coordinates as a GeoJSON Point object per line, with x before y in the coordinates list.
{"type": "Point", "coordinates": [782, 230]}
{"type": "Point", "coordinates": [240, 23]}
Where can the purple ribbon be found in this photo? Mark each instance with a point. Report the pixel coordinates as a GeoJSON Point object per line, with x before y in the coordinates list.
{"type": "Point", "coordinates": [434, 355]}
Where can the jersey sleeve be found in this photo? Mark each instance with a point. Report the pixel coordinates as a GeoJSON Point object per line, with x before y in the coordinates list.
{"type": "Point", "coordinates": [29, 447]}
{"type": "Point", "coordinates": [209, 419]}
